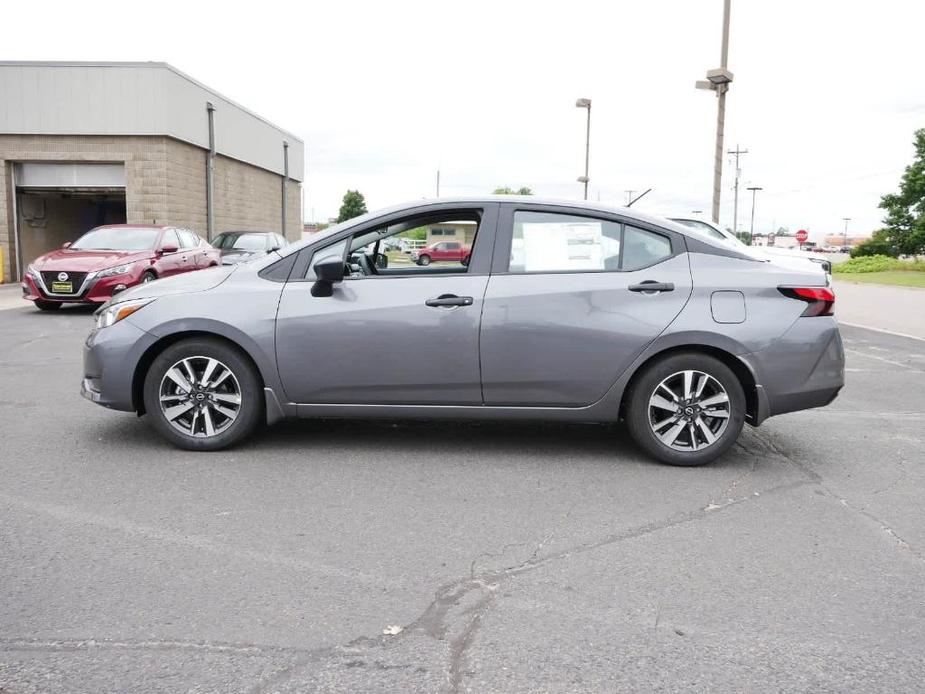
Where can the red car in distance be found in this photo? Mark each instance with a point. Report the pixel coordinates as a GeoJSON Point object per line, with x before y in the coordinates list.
{"type": "Point", "coordinates": [452, 251]}
{"type": "Point", "coordinates": [109, 259]}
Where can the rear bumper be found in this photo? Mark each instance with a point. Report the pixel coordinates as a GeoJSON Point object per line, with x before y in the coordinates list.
{"type": "Point", "coordinates": [803, 369]}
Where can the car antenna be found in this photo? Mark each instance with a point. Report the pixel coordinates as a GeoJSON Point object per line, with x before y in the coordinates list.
{"type": "Point", "coordinates": [630, 203]}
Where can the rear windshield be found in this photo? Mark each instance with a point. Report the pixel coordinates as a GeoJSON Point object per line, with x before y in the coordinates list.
{"type": "Point", "coordinates": [117, 239]}
{"type": "Point", "coordinates": [244, 242]}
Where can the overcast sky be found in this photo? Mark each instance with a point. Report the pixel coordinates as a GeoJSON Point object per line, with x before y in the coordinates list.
{"type": "Point", "coordinates": [826, 96]}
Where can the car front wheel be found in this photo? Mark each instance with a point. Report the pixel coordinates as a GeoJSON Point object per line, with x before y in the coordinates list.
{"type": "Point", "coordinates": [424, 260]}
{"type": "Point", "coordinates": [203, 395]}
{"type": "Point", "coordinates": [686, 409]}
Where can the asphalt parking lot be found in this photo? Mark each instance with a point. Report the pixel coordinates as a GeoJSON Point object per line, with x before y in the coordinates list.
{"type": "Point", "coordinates": [508, 558]}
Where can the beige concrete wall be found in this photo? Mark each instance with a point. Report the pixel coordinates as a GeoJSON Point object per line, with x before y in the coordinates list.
{"type": "Point", "coordinates": [165, 184]}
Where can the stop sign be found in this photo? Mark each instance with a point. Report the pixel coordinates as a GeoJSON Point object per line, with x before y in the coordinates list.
{"type": "Point", "coordinates": [802, 235]}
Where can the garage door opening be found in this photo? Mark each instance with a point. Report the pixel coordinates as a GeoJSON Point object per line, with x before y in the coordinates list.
{"type": "Point", "coordinates": [57, 203]}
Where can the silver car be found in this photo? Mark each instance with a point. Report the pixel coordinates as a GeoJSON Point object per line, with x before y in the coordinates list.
{"type": "Point", "coordinates": [566, 311]}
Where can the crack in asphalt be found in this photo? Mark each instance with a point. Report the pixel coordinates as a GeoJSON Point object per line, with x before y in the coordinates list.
{"type": "Point", "coordinates": [435, 620]}
{"type": "Point", "coordinates": [818, 480]}
{"type": "Point", "coordinates": [218, 647]}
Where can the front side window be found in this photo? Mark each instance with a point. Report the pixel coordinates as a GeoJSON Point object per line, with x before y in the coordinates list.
{"type": "Point", "coordinates": [553, 242]}
{"type": "Point", "coordinates": [170, 238]}
{"type": "Point", "coordinates": [400, 248]}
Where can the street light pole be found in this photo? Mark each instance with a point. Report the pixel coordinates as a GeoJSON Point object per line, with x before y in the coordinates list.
{"type": "Point", "coordinates": [718, 80]}
{"type": "Point", "coordinates": [845, 243]}
{"type": "Point", "coordinates": [586, 103]}
{"type": "Point", "coordinates": [754, 190]}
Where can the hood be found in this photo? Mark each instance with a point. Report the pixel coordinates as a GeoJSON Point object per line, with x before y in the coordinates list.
{"type": "Point", "coordinates": [85, 261]}
{"type": "Point", "coordinates": [188, 282]}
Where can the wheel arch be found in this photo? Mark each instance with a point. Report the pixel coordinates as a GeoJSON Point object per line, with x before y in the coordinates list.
{"type": "Point", "coordinates": [754, 409]}
{"type": "Point", "coordinates": [150, 354]}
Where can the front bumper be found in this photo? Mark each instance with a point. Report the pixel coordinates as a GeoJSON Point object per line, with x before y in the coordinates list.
{"type": "Point", "coordinates": [110, 359]}
{"type": "Point", "coordinates": [94, 290]}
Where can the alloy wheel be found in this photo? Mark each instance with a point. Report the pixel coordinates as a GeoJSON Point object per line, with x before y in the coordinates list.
{"type": "Point", "coordinates": [689, 411]}
{"type": "Point", "coordinates": [200, 396]}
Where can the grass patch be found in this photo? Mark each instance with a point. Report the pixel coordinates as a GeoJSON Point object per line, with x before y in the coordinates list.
{"type": "Point", "coordinates": [901, 278]}
{"type": "Point", "coordinates": [878, 263]}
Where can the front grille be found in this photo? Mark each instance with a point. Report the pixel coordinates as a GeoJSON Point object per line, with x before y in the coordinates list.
{"type": "Point", "coordinates": [75, 278]}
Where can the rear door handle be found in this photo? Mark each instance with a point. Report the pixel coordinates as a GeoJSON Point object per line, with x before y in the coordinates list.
{"type": "Point", "coordinates": [450, 300]}
{"type": "Point", "coordinates": [652, 286]}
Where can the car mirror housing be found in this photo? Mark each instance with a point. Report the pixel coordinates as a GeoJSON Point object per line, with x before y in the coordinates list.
{"type": "Point", "coordinates": [168, 248]}
{"type": "Point", "coordinates": [328, 273]}
{"type": "Point", "coordinates": [66, 244]}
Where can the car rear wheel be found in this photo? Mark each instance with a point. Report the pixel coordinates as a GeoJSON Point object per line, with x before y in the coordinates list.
{"type": "Point", "coordinates": [686, 409]}
{"type": "Point", "coordinates": [47, 305]}
{"type": "Point", "coordinates": [203, 395]}
{"type": "Point", "coordinates": [147, 276]}
{"type": "Point", "coordinates": [424, 260]}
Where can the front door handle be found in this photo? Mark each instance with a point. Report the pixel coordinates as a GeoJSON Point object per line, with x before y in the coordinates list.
{"type": "Point", "coordinates": [652, 286]}
{"type": "Point", "coordinates": [450, 300]}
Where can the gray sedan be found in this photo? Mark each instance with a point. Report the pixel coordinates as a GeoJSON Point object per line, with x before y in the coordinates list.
{"type": "Point", "coordinates": [566, 311]}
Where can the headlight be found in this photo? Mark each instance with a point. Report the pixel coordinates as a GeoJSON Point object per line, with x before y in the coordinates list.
{"type": "Point", "coordinates": [117, 270]}
{"type": "Point", "coordinates": [113, 313]}
{"type": "Point", "coordinates": [33, 272]}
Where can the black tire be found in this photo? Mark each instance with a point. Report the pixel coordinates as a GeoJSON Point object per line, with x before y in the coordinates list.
{"type": "Point", "coordinates": [424, 260]}
{"type": "Point", "coordinates": [639, 421]}
{"type": "Point", "coordinates": [148, 276]}
{"type": "Point", "coordinates": [47, 305]}
{"type": "Point", "coordinates": [251, 408]}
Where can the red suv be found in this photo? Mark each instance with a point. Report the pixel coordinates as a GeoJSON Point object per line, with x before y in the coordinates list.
{"type": "Point", "coordinates": [444, 250]}
{"type": "Point", "coordinates": [108, 259]}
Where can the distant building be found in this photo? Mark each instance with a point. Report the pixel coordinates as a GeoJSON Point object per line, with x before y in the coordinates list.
{"type": "Point", "coordinates": [464, 232]}
{"type": "Point", "coordinates": [839, 240]}
{"type": "Point", "coordinates": [84, 144]}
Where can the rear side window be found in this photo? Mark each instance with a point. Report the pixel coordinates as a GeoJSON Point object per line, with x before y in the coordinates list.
{"type": "Point", "coordinates": [549, 242]}
{"type": "Point", "coordinates": [643, 248]}
{"type": "Point", "coordinates": [552, 242]}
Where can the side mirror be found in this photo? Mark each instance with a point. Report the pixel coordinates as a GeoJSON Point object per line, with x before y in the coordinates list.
{"type": "Point", "coordinates": [168, 248]}
{"type": "Point", "coordinates": [66, 244]}
{"type": "Point", "coordinates": [328, 273]}
{"type": "Point", "coordinates": [273, 249]}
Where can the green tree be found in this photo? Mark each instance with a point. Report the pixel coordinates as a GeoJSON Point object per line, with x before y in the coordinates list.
{"type": "Point", "coordinates": [880, 243]}
{"type": "Point", "coordinates": [353, 205]}
{"type": "Point", "coordinates": [745, 237]}
{"type": "Point", "coordinates": [905, 210]}
{"type": "Point", "coordinates": [506, 190]}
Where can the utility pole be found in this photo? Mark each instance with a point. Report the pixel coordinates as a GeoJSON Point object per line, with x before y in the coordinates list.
{"type": "Point", "coordinates": [847, 219]}
{"type": "Point", "coordinates": [735, 204]}
{"type": "Point", "coordinates": [438, 183]}
{"type": "Point", "coordinates": [718, 81]}
{"type": "Point", "coordinates": [754, 190]}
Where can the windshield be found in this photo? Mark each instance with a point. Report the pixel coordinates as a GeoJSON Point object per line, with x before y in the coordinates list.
{"type": "Point", "coordinates": [243, 242]}
{"type": "Point", "coordinates": [117, 239]}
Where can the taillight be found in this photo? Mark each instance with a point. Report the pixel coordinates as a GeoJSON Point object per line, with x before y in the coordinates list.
{"type": "Point", "coordinates": [821, 300]}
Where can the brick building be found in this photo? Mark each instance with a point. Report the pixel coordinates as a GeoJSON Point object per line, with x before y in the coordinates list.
{"type": "Point", "coordinates": [83, 144]}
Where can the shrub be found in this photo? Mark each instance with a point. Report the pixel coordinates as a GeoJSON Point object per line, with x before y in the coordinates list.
{"type": "Point", "coordinates": [878, 263]}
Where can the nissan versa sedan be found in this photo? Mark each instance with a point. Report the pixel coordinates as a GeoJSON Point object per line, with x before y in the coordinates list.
{"type": "Point", "coordinates": [109, 259]}
{"type": "Point", "coordinates": [566, 311]}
